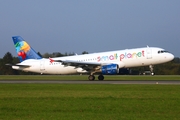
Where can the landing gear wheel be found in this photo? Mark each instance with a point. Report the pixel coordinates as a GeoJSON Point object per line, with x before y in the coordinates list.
{"type": "Point", "coordinates": [100, 77]}
{"type": "Point", "coordinates": [91, 77]}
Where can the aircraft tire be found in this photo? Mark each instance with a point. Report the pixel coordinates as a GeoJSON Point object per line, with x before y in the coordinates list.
{"type": "Point", "coordinates": [91, 77]}
{"type": "Point", "coordinates": [100, 77]}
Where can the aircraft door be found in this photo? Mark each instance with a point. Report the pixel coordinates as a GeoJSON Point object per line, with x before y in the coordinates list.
{"type": "Point", "coordinates": [149, 53]}
{"type": "Point", "coordinates": [42, 68]}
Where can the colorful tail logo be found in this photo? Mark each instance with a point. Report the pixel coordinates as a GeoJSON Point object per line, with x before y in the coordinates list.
{"type": "Point", "coordinates": [23, 50]}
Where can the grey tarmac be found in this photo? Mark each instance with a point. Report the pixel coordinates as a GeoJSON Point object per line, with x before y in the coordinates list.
{"type": "Point", "coordinates": [168, 82]}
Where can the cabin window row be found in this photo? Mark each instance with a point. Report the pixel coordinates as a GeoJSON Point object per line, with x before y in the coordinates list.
{"type": "Point", "coordinates": [87, 60]}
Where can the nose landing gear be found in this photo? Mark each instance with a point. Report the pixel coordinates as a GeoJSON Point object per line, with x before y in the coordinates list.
{"type": "Point", "coordinates": [151, 69]}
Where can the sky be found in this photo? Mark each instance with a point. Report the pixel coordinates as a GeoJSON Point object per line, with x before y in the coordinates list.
{"type": "Point", "coordinates": [90, 25]}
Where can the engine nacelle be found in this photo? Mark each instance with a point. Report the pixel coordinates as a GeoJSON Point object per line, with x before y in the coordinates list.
{"type": "Point", "coordinates": [111, 69]}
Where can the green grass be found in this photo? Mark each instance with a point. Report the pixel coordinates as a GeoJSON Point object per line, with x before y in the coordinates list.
{"type": "Point", "coordinates": [85, 77]}
{"type": "Point", "coordinates": [89, 101]}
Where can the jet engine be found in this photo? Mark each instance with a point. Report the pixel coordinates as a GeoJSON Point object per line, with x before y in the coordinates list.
{"type": "Point", "coordinates": [111, 69]}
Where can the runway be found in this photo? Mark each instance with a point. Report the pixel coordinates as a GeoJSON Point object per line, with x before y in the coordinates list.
{"type": "Point", "coordinates": [168, 82]}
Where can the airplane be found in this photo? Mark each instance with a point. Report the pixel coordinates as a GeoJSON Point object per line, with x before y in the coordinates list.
{"type": "Point", "coordinates": [102, 63]}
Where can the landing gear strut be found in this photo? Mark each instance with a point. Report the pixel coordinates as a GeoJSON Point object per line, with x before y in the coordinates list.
{"type": "Point", "coordinates": [151, 69]}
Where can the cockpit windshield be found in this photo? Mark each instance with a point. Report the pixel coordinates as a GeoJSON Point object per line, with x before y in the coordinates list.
{"type": "Point", "coordinates": [162, 51]}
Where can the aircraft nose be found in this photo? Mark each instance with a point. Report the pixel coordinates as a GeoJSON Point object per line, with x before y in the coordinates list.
{"type": "Point", "coordinates": [170, 56]}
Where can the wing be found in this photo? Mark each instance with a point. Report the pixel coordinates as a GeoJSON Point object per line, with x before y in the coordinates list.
{"type": "Point", "coordinates": [89, 66]}
{"type": "Point", "coordinates": [92, 67]}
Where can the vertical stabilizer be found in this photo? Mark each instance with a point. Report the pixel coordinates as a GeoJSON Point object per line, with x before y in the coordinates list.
{"type": "Point", "coordinates": [24, 50]}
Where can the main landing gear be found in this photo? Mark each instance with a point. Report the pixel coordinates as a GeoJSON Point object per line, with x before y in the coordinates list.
{"type": "Point", "coordinates": [92, 77]}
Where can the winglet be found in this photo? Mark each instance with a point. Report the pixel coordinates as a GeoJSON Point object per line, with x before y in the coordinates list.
{"type": "Point", "coordinates": [51, 60]}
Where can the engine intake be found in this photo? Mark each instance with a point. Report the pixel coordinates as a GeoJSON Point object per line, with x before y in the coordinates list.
{"type": "Point", "coordinates": [111, 69]}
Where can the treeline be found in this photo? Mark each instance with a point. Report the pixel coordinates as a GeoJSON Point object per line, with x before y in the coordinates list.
{"type": "Point", "coordinates": [170, 68]}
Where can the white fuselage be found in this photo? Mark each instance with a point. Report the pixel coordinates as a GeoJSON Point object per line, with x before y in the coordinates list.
{"type": "Point", "coordinates": [124, 58]}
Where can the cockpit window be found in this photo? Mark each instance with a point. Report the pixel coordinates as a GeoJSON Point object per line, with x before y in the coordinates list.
{"type": "Point", "coordinates": [162, 51]}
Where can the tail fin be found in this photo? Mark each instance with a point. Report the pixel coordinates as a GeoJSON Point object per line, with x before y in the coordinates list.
{"type": "Point", "coordinates": [24, 50]}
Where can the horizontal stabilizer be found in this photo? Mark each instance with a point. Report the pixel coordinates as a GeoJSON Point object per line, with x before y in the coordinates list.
{"type": "Point", "coordinates": [19, 65]}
